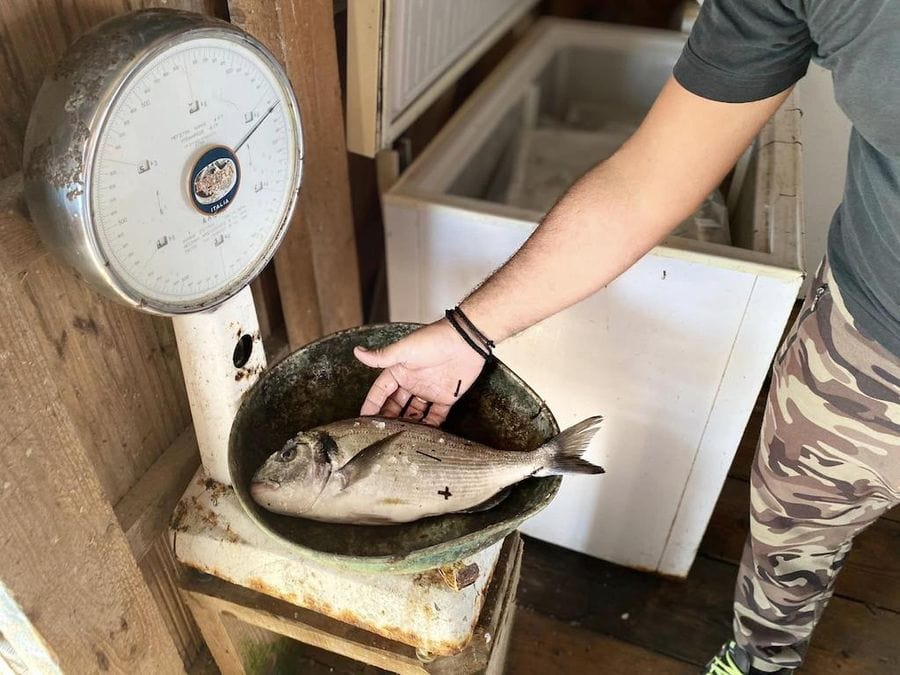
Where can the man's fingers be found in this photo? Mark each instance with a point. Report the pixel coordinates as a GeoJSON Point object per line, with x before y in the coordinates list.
{"type": "Point", "coordinates": [437, 414]}
{"type": "Point", "coordinates": [381, 389]}
{"type": "Point", "coordinates": [417, 409]}
{"type": "Point", "coordinates": [396, 402]}
{"type": "Point", "coordinates": [379, 358]}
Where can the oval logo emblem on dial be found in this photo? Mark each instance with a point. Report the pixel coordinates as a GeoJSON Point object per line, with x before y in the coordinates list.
{"type": "Point", "coordinates": [215, 179]}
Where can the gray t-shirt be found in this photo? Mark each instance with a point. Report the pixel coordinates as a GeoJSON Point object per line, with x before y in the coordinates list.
{"type": "Point", "coordinates": [747, 50]}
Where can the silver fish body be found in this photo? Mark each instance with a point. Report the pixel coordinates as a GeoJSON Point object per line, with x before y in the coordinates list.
{"type": "Point", "coordinates": [373, 470]}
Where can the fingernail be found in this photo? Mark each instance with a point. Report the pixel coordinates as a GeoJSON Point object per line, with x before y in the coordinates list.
{"type": "Point", "coordinates": [361, 348]}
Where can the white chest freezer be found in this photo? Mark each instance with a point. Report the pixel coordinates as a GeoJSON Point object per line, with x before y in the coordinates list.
{"type": "Point", "coordinates": [673, 352]}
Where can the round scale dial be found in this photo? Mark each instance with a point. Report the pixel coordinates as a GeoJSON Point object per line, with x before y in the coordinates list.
{"type": "Point", "coordinates": [190, 170]}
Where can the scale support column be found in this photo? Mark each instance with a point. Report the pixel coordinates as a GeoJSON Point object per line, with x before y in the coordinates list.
{"type": "Point", "coordinates": [222, 356]}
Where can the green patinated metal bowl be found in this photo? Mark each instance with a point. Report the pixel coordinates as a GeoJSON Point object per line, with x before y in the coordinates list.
{"type": "Point", "coordinates": [322, 383]}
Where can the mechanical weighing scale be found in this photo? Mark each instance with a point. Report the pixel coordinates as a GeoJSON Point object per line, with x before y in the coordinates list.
{"type": "Point", "coordinates": [163, 162]}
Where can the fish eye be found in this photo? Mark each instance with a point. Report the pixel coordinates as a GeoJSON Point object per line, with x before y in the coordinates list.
{"type": "Point", "coordinates": [288, 454]}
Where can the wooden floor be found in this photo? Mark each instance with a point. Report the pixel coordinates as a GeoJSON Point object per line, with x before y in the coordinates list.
{"type": "Point", "coordinates": [581, 615]}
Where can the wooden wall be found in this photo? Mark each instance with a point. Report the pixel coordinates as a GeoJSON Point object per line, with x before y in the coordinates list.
{"type": "Point", "coordinates": [95, 426]}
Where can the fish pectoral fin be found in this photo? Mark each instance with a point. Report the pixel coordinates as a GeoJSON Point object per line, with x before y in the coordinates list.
{"type": "Point", "coordinates": [364, 462]}
{"type": "Point", "coordinates": [490, 502]}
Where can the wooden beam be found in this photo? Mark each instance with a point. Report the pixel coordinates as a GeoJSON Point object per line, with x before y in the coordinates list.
{"type": "Point", "coordinates": [365, 23]}
{"type": "Point", "coordinates": [116, 370]}
{"type": "Point", "coordinates": [318, 276]}
{"type": "Point", "coordinates": [222, 647]}
{"type": "Point", "coordinates": [144, 512]}
{"type": "Point", "coordinates": [216, 597]}
{"type": "Point", "coordinates": [162, 573]}
{"type": "Point", "coordinates": [63, 557]}
{"type": "Point", "coordinates": [115, 379]}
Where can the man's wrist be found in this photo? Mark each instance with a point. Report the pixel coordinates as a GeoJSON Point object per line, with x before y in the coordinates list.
{"type": "Point", "coordinates": [469, 333]}
{"type": "Point", "coordinates": [486, 323]}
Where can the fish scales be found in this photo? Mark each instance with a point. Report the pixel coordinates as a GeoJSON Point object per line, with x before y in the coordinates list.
{"type": "Point", "coordinates": [375, 470]}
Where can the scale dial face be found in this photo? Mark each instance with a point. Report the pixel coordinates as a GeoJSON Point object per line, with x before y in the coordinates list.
{"type": "Point", "coordinates": [190, 171]}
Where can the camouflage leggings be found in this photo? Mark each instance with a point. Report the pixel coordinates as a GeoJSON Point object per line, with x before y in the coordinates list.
{"type": "Point", "coordinates": [828, 465]}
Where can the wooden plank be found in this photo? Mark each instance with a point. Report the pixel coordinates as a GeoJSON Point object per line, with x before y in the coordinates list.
{"type": "Point", "coordinates": [689, 620]}
{"type": "Point", "coordinates": [365, 22]}
{"type": "Point", "coordinates": [117, 370]}
{"type": "Point", "coordinates": [502, 629]}
{"type": "Point", "coordinates": [542, 645]}
{"type": "Point", "coordinates": [499, 660]}
{"type": "Point", "coordinates": [162, 573]}
{"type": "Point", "coordinates": [145, 510]}
{"type": "Point", "coordinates": [318, 276]}
{"type": "Point", "coordinates": [871, 574]}
{"type": "Point", "coordinates": [62, 554]}
{"type": "Point", "coordinates": [223, 650]}
{"type": "Point", "coordinates": [300, 624]}
{"type": "Point", "coordinates": [268, 310]}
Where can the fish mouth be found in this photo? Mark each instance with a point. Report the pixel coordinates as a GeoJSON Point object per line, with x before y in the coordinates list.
{"type": "Point", "coordinates": [263, 488]}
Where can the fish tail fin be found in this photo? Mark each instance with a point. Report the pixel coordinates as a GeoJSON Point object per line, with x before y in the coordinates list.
{"type": "Point", "coordinates": [563, 453]}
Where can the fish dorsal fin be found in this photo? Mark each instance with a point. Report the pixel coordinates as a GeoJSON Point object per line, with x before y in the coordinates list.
{"type": "Point", "coordinates": [363, 462]}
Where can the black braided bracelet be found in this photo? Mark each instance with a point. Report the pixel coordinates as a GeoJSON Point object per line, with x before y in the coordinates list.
{"type": "Point", "coordinates": [481, 336]}
{"type": "Point", "coordinates": [483, 353]}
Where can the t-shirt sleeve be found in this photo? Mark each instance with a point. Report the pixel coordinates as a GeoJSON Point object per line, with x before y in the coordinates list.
{"type": "Point", "coordinates": [744, 50]}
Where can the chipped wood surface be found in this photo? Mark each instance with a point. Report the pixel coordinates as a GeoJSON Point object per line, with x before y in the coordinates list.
{"type": "Point", "coordinates": [317, 269]}
{"type": "Point", "coordinates": [117, 370]}
{"type": "Point", "coordinates": [62, 554]}
{"type": "Point", "coordinates": [218, 640]}
{"type": "Point", "coordinates": [162, 573]}
{"type": "Point", "coordinates": [144, 512]}
{"type": "Point", "coordinates": [209, 600]}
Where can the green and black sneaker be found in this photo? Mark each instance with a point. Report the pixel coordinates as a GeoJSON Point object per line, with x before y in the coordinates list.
{"type": "Point", "coordinates": [733, 660]}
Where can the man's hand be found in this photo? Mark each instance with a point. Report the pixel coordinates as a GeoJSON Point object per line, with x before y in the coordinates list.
{"type": "Point", "coordinates": [424, 374]}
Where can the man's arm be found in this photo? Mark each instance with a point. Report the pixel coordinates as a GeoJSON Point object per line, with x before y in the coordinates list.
{"type": "Point", "coordinates": [608, 220]}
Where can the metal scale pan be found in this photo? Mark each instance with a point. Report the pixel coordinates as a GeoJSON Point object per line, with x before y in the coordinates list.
{"type": "Point", "coordinates": [322, 382]}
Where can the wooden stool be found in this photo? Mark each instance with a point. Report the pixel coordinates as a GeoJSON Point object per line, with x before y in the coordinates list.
{"type": "Point", "coordinates": [242, 627]}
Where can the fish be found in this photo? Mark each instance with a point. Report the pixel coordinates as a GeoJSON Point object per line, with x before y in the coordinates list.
{"type": "Point", "coordinates": [380, 471]}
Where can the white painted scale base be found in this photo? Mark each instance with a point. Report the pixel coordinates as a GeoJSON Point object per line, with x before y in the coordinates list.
{"type": "Point", "coordinates": [212, 533]}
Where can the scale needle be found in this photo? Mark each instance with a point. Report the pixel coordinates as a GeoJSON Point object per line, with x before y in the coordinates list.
{"type": "Point", "coordinates": [255, 127]}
